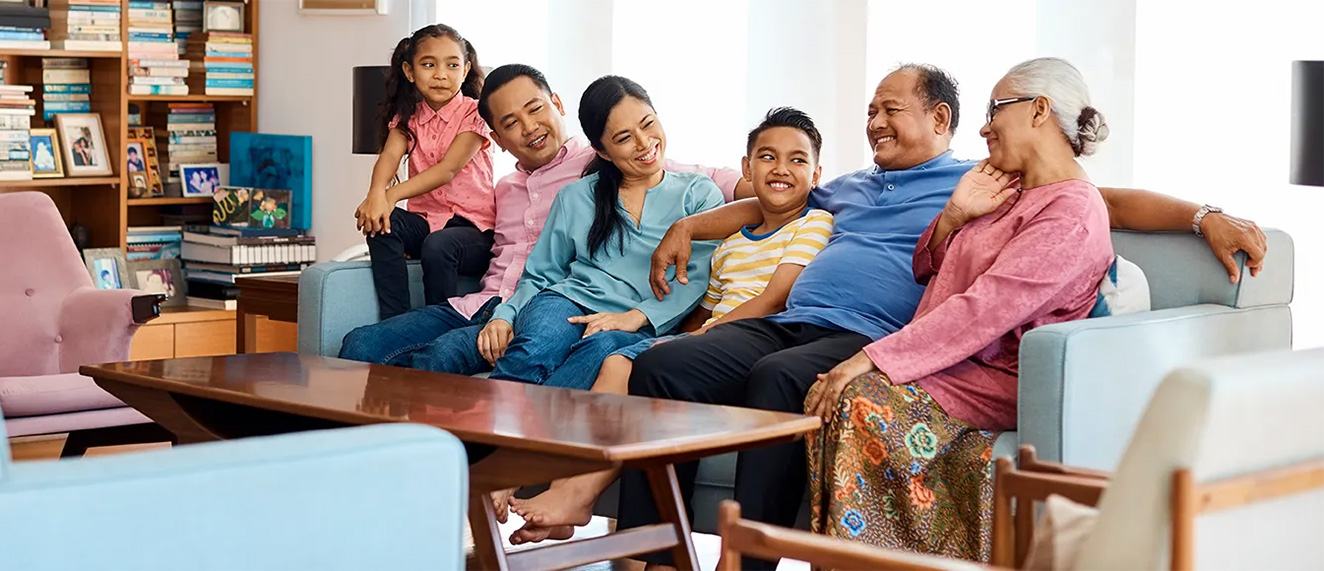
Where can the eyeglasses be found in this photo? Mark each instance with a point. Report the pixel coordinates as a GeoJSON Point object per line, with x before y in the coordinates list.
{"type": "Point", "coordinates": [995, 104]}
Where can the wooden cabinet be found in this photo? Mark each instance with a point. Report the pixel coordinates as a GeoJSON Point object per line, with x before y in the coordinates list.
{"type": "Point", "coordinates": [191, 332]}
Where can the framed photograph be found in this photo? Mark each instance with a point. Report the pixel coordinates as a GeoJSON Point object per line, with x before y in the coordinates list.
{"type": "Point", "coordinates": [342, 7]}
{"type": "Point", "coordinates": [223, 16]}
{"type": "Point", "coordinates": [204, 179]}
{"type": "Point", "coordinates": [45, 147]}
{"type": "Point", "coordinates": [281, 162]}
{"type": "Point", "coordinates": [83, 143]}
{"type": "Point", "coordinates": [165, 277]}
{"type": "Point", "coordinates": [108, 267]}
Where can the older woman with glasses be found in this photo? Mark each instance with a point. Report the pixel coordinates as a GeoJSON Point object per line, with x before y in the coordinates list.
{"type": "Point", "coordinates": [904, 458]}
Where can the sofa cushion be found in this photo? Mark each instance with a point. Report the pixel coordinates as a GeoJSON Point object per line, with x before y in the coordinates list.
{"type": "Point", "coordinates": [1060, 534]}
{"type": "Point", "coordinates": [1124, 289]}
{"type": "Point", "coordinates": [52, 394]}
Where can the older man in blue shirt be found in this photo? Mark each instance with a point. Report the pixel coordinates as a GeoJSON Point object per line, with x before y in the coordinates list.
{"type": "Point", "coordinates": [858, 289]}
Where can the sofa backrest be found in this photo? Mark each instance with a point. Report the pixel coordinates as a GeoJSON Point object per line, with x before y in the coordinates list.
{"type": "Point", "coordinates": [41, 266]}
{"type": "Point", "coordinates": [1182, 271]}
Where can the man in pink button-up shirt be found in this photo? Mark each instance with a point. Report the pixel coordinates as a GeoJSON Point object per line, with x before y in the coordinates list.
{"type": "Point", "coordinates": [527, 120]}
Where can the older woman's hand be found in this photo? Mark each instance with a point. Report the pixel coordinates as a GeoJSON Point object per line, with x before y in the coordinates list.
{"type": "Point", "coordinates": [1227, 235]}
{"type": "Point", "coordinates": [823, 396]}
{"type": "Point", "coordinates": [979, 192]}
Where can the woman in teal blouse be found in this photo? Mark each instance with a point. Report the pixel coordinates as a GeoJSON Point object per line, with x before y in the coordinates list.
{"type": "Point", "coordinates": [585, 290]}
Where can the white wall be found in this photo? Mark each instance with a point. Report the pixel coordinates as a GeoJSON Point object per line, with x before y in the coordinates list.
{"type": "Point", "coordinates": [306, 89]}
{"type": "Point", "coordinates": [1212, 115]}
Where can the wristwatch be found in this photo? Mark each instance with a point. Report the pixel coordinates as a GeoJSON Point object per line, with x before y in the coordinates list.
{"type": "Point", "coordinates": [1199, 217]}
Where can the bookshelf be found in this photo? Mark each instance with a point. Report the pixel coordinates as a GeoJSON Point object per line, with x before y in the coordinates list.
{"type": "Point", "coordinates": [102, 204]}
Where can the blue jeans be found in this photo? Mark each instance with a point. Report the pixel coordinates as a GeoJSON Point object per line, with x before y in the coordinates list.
{"type": "Point", "coordinates": [547, 348]}
{"type": "Point", "coordinates": [390, 342]}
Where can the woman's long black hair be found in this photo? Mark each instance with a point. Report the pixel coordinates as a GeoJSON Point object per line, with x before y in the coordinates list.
{"type": "Point", "coordinates": [594, 107]}
{"type": "Point", "coordinates": [403, 97]}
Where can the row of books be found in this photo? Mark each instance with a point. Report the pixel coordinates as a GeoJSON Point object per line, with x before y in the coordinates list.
{"type": "Point", "coordinates": [215, 255]}
{"type": "Point", "coordinates": [22, 26]}
{"type": "Point", "coordinates": [66, 87]}
{"type": "Point", "coordinates": [89, 25]}
{"type": "Point", "coordinates": [16, 111]}
{"type": "Point", "coordinates": [191, 132]}
{"type": "Point", "coordinates": [222, 63]}
{"type": "Point", "coordinates": [154, 64]}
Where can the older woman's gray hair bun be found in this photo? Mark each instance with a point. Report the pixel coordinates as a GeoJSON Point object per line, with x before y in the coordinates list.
{"type": "Point", "coordinates": [1064, 87]}
{"type": "Point", "coordinates": [1091, 130]}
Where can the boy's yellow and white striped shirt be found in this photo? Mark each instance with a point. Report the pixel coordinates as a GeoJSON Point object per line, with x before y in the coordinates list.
{"type": "Point", "coordinates": [744, 263]}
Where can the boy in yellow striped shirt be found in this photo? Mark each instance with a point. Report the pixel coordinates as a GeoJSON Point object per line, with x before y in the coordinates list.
{"type": "Point", "coordinates": [752, 273]}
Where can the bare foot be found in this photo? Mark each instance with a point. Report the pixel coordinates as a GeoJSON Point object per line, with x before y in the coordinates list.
{"type": "Point", "coordinates": [501, 503]}
{"type": "Point", "coordinates": [533, 534]}
{"type": "Point", "coordinates": [567, 504]}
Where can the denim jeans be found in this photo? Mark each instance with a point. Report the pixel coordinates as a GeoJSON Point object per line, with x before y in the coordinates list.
{"type": "Point", "coordinates": [390, 342]}
{"type": "Point", "coordinates": [547, 348]}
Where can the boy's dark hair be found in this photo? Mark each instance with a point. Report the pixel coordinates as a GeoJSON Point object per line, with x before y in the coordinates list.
{"type": "Point", "coordinates": [787, 117]}
{"type": "Point", "coordinates": [133, 150]}
{"type": "Point", "coordinates": [601, 96]}
{"type": "Point", "coordinates": [937, 86]}
{"type": "Point", "coordinates": [499, 78]}
{"type": "Point", "coordinates": [403, 97]}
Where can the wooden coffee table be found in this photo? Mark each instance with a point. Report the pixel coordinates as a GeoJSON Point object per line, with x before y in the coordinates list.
{"type": "Point", "coordinates": [276, 297]}
{"type": "Point", "coordinates": [516, 434]}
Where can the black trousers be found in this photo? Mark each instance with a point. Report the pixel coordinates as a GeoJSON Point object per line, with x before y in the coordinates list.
{"type": "Point", "coordinates": [754, 363]}
{"type": "Point", "coordinates": [458, 249]}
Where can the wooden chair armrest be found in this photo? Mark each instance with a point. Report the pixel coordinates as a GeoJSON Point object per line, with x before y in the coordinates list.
{"type": "Point", "coordinates": [146, 307]}
{"type": "Point", "coordinates": [1038, 486]}
{"type": "Point", "coordinates": [762, 540]}
{"type": "Point", "coordinates": [1027, 461]}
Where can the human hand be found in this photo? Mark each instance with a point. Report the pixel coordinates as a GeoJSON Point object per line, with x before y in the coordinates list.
{"type": "Point", "coordinates": [1228, 235]}
{"type": "Point", "coordinates": [823, 396]}
{"type": "Point", "coordinates": [673, 250]}
{"type": "Point", "coordinates": [494, 338]}
{"type": "Point", "coordinates": [629, 321]}
{"type": "Point", "coordinates": [373, 216]}
{"type": "Point", "coordinates": [979, 192]}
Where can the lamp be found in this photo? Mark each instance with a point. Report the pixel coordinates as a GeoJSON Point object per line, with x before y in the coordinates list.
{"type": "Point", "coordinates": [369, 97]}
{"type": "Point", "coordinates": [1308, 123]}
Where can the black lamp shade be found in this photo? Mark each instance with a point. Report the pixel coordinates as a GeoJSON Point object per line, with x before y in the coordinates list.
{"type": "Point", "coordinates": [369, 97]}
{"type": "Point", "coordinates": [1308, 123]}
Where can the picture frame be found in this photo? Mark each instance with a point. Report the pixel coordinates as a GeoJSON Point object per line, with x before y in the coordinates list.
{"type": "Point", "coordinates": [342, 7]}
{"type": "Point", "coordinates": [165, 277]}
{"type": "Point", "coordinates": [135, 165]}
{"type": "Point", "coordinates": [83, 143]}
{"type": "Point", "coordinates": [222, 16]}
{"type": "Point", "coordinates": [45, 148]}
{"type": "Point", "coordinates": [151, 162]}
{"type": "Point", "coordinates": [108, 267]}
{"type": "Point", "coordinates": [203, 179]}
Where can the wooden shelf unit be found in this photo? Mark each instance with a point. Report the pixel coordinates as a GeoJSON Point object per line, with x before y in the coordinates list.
{"type": "Point", "coordinates": [102, 204]}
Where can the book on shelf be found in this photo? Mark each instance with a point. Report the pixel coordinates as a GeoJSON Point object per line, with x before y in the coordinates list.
{"type": "Point", "coordinates": [67, 86]}
{"type": "Point", "coordinates": [207, 303]}
{"type": "Point", "coordinates": [85, 25]}
{"type": "Point", "coordinates": [243, 255]}
{"type": "Point", "coordinates": [226, 240]}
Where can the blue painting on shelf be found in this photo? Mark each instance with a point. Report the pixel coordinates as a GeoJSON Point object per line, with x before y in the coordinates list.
{"type": "Point", "coordinates": [277, 162]}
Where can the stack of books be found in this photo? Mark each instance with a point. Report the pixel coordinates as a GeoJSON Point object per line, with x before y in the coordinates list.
{"type": "Point", "coordinates": [154, 242]}
{"type": "Point", "coordinates": [222, 63]}
{"type": "Point", "coordinates": [16, 111]}
{"type": "Point", "coordinates": [188, 21]}
{"type": "Point", "coordinates": [90, 25]}
{"type": "Point", "coordinates": [22, 25]}
{"type": "Point", "coordinates": [215, 255]}
{"type": "Point", "coordinates": [191, 128]}
{"type": "Point", "coordinates": [154, 64]}
{"type": "Point", "coordinates": [66, 87]}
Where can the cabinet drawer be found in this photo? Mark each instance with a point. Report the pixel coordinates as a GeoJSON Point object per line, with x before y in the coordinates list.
{"type": "Point", "coordinates": [153, 342]}
{"type": "Point", "coordinates": [204, 338]}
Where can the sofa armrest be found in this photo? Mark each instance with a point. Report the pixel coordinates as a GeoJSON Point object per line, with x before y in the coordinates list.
{"type": "Point", "coordinates": [96, 326]}
{"type": "Point", "coordinates": [1084, 384]}
{"type": "Point", "coordinates": [1182, 271]}
{"type": "Point", "coordinates": [377, 497]}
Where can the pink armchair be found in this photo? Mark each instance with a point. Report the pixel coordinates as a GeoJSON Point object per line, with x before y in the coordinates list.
{"type": "Point", "coordinates": [54, 321]}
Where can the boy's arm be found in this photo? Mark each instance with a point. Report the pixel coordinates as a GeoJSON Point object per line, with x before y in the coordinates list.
{"type": "Point", "coordinates": [695, 320]}
{"type": "Point", "coordinates": [1145, 211]}
{"type": "Point", "coordinates": [461, 151]}
{"type": "Point", "coordinates": [771, 301]}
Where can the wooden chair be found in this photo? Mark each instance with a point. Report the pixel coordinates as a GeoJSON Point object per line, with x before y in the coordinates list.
{"type": "Point", "coordinates": [1237, 442]}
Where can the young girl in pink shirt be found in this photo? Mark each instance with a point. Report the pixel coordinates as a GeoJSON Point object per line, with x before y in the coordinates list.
{"type": "Point", "coordinates": [431, 116]}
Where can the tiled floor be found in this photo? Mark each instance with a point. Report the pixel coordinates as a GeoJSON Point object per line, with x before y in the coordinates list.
{"type": "Point", "coordinates": [708, 547]}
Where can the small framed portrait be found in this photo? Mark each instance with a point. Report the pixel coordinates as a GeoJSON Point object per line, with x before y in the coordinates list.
{"type": "Point", "coordinates": [45, 147]}
{"type": "Point", "coordinates": [108, 267]}
{"type": "Point", "coordinates": [84, 144]}
{"type": "Point", "coordinates": [223, 16]}
{"type": "Point", "coordinates": [159, 276]}
{"type": "Point", "coordinates": [203, 179]}
{"type": "Point", "coordinates": [135, 157]}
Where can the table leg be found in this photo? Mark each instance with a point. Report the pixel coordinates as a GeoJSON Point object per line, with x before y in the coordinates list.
{"type": "Point", "coordinates": [488, 548]}
{"type": "Point", "coordinates": [240, 330]}
{"type": "Point", "coordinates": [666, 492]}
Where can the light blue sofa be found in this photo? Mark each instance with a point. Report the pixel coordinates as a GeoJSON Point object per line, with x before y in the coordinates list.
{"type": "Point", "coordinates": [376, 497]}
{"type": "Point", "coordinates": [1083, 385]}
